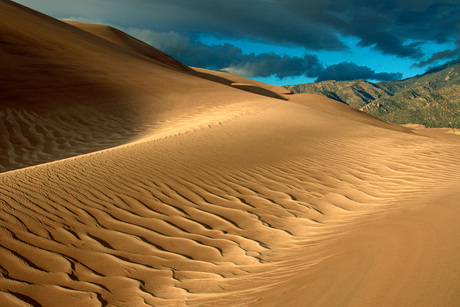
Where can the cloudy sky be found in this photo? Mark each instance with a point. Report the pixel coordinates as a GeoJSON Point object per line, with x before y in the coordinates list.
{"type": "Point", "coordinates": [285, 41]}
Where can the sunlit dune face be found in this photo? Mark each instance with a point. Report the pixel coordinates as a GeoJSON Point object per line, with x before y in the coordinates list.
{"type": "Point", "coordinates": [130, 179]}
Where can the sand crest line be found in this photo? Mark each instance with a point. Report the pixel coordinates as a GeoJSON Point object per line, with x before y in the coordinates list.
{"type": "Point", "coordinates": [189, 187]}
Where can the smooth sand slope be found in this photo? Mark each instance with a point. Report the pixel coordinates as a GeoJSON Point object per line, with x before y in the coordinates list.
{"type": "Point", "coordinates": [191, 187]}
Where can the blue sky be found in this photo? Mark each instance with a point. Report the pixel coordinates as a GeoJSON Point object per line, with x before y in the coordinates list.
{"type": "Point", "coordinates": [363, 56]}
{"type": "Point", "coordinates": [285, 41]}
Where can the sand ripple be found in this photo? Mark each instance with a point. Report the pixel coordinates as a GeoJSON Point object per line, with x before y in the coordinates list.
{"type": "Point", "coordinates": [202, 217]}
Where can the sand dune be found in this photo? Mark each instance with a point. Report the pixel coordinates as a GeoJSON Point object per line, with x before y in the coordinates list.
{"type": "Point", "coordinates": [141, 184]}
{"type": "Point", "coordinates": [83, 92]}
{"type": "Point", "coordinates": [120, 38]}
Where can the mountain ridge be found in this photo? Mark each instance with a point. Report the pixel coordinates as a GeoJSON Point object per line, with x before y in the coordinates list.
{"type": "Point", "coordinates": [431, 99]}
{"type": "Point", "coordinates": [128, 181]}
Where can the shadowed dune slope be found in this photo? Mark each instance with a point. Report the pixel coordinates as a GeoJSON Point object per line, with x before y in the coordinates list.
{"type": "Point", "coordinates": [120, 38]}
{"type": "Point", "coordinates": [66, 91]}
{"type": "Point", "coordinates": [209, 195]}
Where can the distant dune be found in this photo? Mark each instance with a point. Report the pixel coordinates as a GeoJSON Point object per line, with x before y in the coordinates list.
{"type": "Point", "coordinates": [120, 38]}
{"type": "Point", "coordinates": [129, 179]}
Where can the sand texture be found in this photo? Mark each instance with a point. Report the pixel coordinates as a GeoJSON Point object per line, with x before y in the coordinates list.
{"type": "Point", "coordinates": [129, 179]}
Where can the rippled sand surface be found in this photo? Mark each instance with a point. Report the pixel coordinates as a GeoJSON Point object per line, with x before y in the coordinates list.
{"type": "Point", "coordinates": [144, 183]}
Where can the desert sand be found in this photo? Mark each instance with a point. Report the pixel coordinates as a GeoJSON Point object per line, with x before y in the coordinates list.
{"type": "Point", "coordinates": [129, 179]}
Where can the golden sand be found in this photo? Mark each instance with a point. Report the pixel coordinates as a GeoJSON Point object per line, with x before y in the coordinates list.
{"type": "Point", "coordinates": [129, 180]}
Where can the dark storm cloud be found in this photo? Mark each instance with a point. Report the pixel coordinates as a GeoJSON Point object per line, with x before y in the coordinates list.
{"type": "Point", "coordinates": [264, 20]}
{"type": "Point", "coordinates": [446, 54]}
{"type": "Point", "coordinates": [232, 59]}
{"type": "Point", "coordinates": [452, 54]}
{"type": "Point", "coordinates": [348, 71]}
{"type": "Point", "coordinates": [268, 64]}
{"type": "Point", "coordinates": [392, 27]}
{"type": "Point", "coordinates": [228, 57]}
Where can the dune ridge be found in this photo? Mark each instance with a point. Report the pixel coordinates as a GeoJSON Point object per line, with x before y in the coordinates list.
{"type": "Point", "coordinates": [130, 43]}
{"type": "Point", "coordinates": [173, 187]}
{"type": "Point", "coordinates": [201, 228]}
{"type": "Point", "coordinates": [86, 92]}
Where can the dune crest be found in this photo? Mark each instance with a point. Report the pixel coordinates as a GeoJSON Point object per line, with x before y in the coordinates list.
{"type": "Point", "coordinates": [66, 91]}
{"type": "Point", "coordinates": [139, 183]}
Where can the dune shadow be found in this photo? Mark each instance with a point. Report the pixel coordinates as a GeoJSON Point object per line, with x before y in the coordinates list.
{"type": "Point", "coordinates": [241, 86]}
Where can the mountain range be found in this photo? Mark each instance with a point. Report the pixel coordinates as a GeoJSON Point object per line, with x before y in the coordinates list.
{"type": "Point", "coordinates": [130, 179]}
{"type": "Point", "coordinates": [431, 99]}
